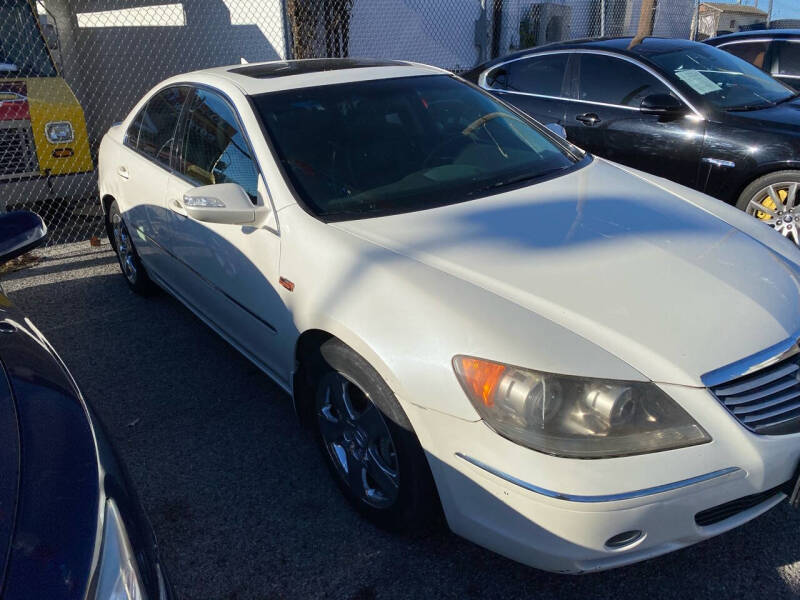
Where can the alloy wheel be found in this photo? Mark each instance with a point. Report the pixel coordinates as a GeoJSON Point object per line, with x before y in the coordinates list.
{"type": "Point", "coordinates": [124, 246]}
{"type": "Point", "coordinates": [777, 205]}
{"type": "Point", "coordinates": [358, 441]}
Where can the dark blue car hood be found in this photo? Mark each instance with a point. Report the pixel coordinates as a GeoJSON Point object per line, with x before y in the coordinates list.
{"type": "Point", "coordinates": [9, 470]}
{"type": "Point", "coordinates": [49, 485]}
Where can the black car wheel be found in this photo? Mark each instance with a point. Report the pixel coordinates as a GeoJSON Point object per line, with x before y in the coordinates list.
{"type": "Point", "coordinates": [775, 200]}
{"type": "Point", "coordinates": [129, 260]}
{"type": "Point", "coordinates": [368, 443]}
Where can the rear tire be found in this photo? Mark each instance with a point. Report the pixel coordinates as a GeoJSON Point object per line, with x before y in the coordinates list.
{"type": "Point", "coordinates": [368, 443]}
{"type": "Point", "coordinates": [774, 199]}
{"type": "Point", "coordinates": [129, 262]}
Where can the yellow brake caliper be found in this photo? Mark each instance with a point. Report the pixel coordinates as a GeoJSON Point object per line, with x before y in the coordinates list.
{"type": "Point", "coordinates": [770, 204]}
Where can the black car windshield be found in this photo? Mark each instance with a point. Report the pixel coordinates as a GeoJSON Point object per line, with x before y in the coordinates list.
{"type": "Point", "coordinates": [725, 80]}
{"type": "Point", "coordinates": [23, 51]}
{"type": "Point", "coordinates": [388, 146]}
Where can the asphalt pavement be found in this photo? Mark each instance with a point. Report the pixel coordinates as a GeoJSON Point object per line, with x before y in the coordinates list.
{"type": "Point", "coordinates": [241, 501]}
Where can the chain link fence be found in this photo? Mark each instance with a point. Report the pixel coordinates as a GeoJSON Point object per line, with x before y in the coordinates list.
{"type": "Point", "coordinates": [71, 68]}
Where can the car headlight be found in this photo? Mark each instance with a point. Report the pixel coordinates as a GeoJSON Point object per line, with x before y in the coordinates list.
{"type": "Point", "coordinates": [118, 577]}
{"type": "Point", "coordinates": [59, 132]}
{"type": "Point", "coordinates": [575, 417]}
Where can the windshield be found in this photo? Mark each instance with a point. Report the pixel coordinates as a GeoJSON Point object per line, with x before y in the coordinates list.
{"type": "Point", "coordinates": [23, 52]}
{"type": "Point", "coordinates": [725, 80]}
{"type": "Point", "coordinates": [396, 145]}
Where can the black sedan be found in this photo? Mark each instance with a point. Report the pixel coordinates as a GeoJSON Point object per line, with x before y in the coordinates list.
{"type": "Point", "coordinates": [679, 109]}
{"type": "Point", "coordinates": [70, 523]}
{"type": "Point", "coordinates": [774, 51]}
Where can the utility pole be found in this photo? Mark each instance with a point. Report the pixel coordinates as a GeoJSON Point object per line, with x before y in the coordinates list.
{"type": "Point", "coordinates": [647, 20]}
{"type": "Point", "coordinates": [769, 14]}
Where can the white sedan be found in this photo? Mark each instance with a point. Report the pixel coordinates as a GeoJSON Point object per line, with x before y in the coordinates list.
{"type": "Point", "coordinates": [583, 365]}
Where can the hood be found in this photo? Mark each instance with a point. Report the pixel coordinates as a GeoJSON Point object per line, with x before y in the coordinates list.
{"type": "Point", "coordinates": [662, 284]}
{"type": "Point", "coordinates": [783, 118]}
{"type": "Point", "coordinates": [9, 471]}
{"type": "Point", "coordinates": [55, 469]}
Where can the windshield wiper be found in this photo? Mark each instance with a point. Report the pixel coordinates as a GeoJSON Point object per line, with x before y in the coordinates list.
{"type": "Point", "coordinates": [789, 97]}
{"type": "Point", "coordinates": [514, 180]}
{"type": "Point", "coordinates": [765, 105]}
{"type": "Point", "coordinates": [746, 107]}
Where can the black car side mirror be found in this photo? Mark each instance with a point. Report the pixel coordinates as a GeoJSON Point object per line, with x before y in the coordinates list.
{"type": "Point", "coordinates": [20, 231]}
{"type": "Point", "coordinates": [663, 105]}
{"type": "Point", "coordinates": [497, 79]}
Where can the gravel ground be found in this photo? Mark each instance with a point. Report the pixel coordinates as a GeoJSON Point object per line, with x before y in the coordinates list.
{"type": "Point", "coordinates": [241, 501]}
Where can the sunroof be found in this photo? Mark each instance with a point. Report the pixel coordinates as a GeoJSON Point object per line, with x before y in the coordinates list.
{"type": "Point", "coordinates": [312, 65]}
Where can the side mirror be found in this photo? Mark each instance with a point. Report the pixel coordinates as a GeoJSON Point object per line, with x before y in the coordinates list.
{"type": "Point", "coordinates": [497, 79]}
{"type": "Point", "coordinates": [20, 231]}
{"type": "Point", "coordinates": [558, 129]}
{"type": "Point", "coordinates": [225, 203]}
{"type": "Point", "coordinates": [663, 105]}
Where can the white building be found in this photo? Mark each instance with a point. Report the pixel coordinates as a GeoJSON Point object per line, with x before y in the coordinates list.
{"type": "Point", "coordinates": [720, 17]}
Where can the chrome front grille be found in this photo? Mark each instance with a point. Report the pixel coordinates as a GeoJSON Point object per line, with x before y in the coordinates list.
{"type": "Point", "coordinates": [17, 150]}
{"type": "Point", "coordinates": [767, 401]}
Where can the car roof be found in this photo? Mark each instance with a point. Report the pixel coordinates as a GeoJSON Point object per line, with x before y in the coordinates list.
{"type": "Point", "coordinates": [264, 77]}
{"type": "Point", "coordinates": [783, 34]}
{"type": "Point", "coordinates": [649, 46]}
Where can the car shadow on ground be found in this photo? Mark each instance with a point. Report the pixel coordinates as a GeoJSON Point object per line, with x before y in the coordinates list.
{"type": "Point", "coordinates": [242, 503]}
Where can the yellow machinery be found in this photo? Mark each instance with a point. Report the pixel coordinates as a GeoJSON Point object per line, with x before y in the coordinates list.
{"type": "Point", "coordinates": [42, 126]}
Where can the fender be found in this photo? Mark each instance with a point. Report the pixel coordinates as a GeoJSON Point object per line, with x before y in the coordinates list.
{"type": "Point", "coordinates": [380, 304]}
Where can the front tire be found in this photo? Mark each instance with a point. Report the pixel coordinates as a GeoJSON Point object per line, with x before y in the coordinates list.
{"type": "Point", "coordinates": [129, 261]}
{"type": "Point", "coordinates": [775, 200]}
{"type": "Point", "coordinates": [368, 443]}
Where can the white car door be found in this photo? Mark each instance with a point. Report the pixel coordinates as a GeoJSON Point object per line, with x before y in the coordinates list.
{"type": "Point", "coordinates": [143, 170]}
{"type": "Point", "coordinates": [226, 273]}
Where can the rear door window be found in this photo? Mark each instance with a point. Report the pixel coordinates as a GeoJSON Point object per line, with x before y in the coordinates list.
{"type": "Point", "coordinates": [787, 58]}
{"type": "Point", "coordinates": [535, 75]}
{"type": "Point", "coordinates": [156, 124]}
{"type": "Point", "coordinates": [753, 52]}
{"type": "Point", "coordinates": [132, 135]}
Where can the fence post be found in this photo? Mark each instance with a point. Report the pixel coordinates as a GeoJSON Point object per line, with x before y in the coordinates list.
{"type": "Point", "coordinates": [288, 51]}
{"type": "Point", "coordinates": [481, 33]}
{"type": "Point", "coordinates": [497, 27]}
{"type": "Point", "coordinates": [602, 18]}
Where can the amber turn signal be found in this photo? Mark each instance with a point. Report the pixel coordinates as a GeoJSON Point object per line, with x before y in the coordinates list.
{"type": "Point", "coordinates": [479, 377]}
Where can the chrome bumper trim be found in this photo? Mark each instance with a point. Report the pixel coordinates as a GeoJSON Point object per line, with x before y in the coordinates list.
{"type": "Point", "coordinates": [604, 498]}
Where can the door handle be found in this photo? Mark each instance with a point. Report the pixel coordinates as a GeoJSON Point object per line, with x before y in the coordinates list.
{"type": "Point", "coordinates": [588, 119]}
{"type": "Point", "coordinates": [123, 172]}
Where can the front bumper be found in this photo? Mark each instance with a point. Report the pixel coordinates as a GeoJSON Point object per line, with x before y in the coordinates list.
{"type": "Point", "coordinates": [561, 520]}
{"type": "Point", "coordinates": [73, 186]}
